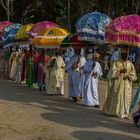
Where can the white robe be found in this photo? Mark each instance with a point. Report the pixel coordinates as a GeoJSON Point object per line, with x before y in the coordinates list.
{"type": "Point", "coordinates": [73, 78]}
{"type": "Point", "coordinates": [82, 75]}
{"type": "Point", "coordinates": [91, 83]}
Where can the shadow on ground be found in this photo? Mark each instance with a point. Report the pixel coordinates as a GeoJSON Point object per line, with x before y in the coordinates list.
{"type": "Point", "coordinates": [84, 135]}
{"type": "Point", "coordinates": [62, 111]}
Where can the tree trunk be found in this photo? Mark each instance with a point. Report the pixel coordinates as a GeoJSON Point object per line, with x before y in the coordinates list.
{"type": "Point", "coordinates": [137, 7]}
{"type": "Point", "coordinates": [4, 4]}
{"type": "Point", "coordinates": [69, 23]}
{"type": "Point", "coordinates": [8, 6]}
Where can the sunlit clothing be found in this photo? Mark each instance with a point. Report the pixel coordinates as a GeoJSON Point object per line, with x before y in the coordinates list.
{"type": "Point", "coordinates": [55, 77]}
{"type": "Point", "coordinates": [73, 77]}
{"type": "Point", "coordinates": [90, 91]}
{"type": "Point", "coordinates": [82, 63]}
{"type": "Point", "coordinates": [13, 65]}
{"type": "Point", "coordinates": [119, 90]}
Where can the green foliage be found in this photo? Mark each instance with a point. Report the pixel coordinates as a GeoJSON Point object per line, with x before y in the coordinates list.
{"type": "Point", "coordinates": [31, 11]}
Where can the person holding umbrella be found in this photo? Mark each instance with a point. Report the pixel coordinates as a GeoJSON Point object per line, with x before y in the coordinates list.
{"type": "Point", "coordinates": [121, 75]}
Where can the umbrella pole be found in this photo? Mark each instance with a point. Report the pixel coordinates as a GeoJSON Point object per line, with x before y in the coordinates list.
{"type": "Point", "coordinates": [45, 55]}
{"type": "Point", "coordinates": [94, 52]}
{"type": "Point", "coordinates": [127, 56]}
{"type": "Point", "coordinates": [45, 61]}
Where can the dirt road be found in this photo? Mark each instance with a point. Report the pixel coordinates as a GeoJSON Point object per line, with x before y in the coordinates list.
{"type": "Point", "coordinates": [27, 114]}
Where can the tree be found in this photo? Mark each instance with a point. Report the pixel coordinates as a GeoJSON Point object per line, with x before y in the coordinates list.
{"type": "Point", "coordinates": [69, 22]}
{"type": "Point", "coordinates": [8, 6]}
{"type": "Point", "coordinates": [65, 12]}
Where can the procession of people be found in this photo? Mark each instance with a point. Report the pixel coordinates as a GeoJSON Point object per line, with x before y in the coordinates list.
{"type": "Point", "coordinates": [52, 55]}
{"type": "Point", "coordinates": [29, 66]}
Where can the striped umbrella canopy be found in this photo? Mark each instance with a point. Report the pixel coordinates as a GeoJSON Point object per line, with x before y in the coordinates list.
{"type": "Point", "coordinates": [72, 41]}
{"type": "Point", "coordinates": [3, 24]}
{"type": "Point", "coordinates": [9, 34]}
{"type": "Point", "coordinates": [124, 30]}
{"type": "Point", "coordinates": [22, 34]}
{"type": "Point", "coordinates": [91, 27]}
{"type": "Point", "coordinates": [50, 38]}
{"type": "Point", "coordinates": [40, 26]}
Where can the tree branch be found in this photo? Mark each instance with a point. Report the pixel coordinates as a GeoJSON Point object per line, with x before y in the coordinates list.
{"type": "Point", "coordinates": [4, 5]}
{"type": "Point", "coordinates": [12, 8]}
{"type": "Point", "coordinates": [137, 7]}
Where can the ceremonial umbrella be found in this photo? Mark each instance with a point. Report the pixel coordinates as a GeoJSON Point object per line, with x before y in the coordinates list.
{"type": "Point", "coordinates": [91, 27]}
{"type": "Point", "coordinates": [72, 41]}
{"type": "Point", "coordinates": [3, 24]}
{"type": "Point", "coordinates": [40, 26]}
{"type": "Point", "coordinates": [9, 34]}
{"type": "Point", "coordinates": [124, 30]}
{"type": "Point", "coordinates": [22, 34]}
{"type": "Point", "coordinates": [50, 38]}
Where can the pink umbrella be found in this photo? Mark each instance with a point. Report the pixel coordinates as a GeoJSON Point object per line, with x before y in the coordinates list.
{"type": "Point", "coordinates": [124, 30]}
{"type": "Point", "coordinates": [40, 26]}
{"type": "Point", "coordinates": [4, 24]}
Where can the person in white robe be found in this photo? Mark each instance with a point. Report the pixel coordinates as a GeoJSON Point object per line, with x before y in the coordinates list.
{"type": "Point", "coordinates": [74, 76]}
{"type": "Point", "coordinates": [93, 71]}
{"type": "Point", "coordinates": [82, 63]}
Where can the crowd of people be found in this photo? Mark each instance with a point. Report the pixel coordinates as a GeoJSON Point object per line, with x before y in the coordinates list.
{"type": "Point", "coordinates": [29, 66]}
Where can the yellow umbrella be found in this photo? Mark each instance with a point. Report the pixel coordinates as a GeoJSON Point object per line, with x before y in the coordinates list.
{"type": "Point", "coordinates": [50, 38]}
{"type": "Point", "coordinates": [22, 33]}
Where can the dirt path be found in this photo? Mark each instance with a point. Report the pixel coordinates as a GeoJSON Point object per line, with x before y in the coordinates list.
{"type": "Point", "coordinates": [27, 114]}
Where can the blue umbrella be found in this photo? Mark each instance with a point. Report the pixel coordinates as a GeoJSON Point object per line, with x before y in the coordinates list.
{"type": "Point", "coordinates": [9, 34]}
{"type": "Point", "coordinates": [91, 27]}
